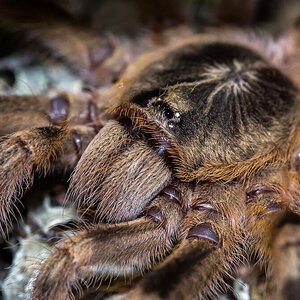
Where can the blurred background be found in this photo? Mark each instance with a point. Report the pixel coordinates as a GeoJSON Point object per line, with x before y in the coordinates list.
{"type": "Point", "coordinates": [25, 32]}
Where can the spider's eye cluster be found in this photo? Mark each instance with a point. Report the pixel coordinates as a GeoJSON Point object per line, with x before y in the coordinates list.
{"type": "Point", "coordinates": [165, 108]}
{"type": "Point", "coordinates": [168, 113]}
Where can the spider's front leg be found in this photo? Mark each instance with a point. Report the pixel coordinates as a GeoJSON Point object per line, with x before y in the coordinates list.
{"type": "Point", "coordinates": [32, 145]}
{"type": "Point", "coordinates": [24, 112]}
{"type": "Point", "coordinates": [106, 251]}
{"type": "Point", "coordinates": [210, 248]}
{"type": "Point", "coordinates": [273, 228]}
{"type": "Point", "coordinates": [37, 150]}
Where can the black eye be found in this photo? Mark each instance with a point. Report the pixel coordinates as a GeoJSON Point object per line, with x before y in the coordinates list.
{"type": "Point", "coordinates": [168, 112]}
{"type": "Point", "coordinates": [164, 107]}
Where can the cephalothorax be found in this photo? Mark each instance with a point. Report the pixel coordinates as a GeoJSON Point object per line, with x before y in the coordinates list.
{"type": "Point", "coordinates": [189, 161]}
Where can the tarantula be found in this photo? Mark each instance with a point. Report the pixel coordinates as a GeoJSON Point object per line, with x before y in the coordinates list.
{"type": "Point", "coordinates": [190, 162]}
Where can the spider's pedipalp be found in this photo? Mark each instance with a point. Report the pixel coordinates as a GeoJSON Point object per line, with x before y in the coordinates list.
{"type": "Point", "coordinates": [103, 250]}
{"type": "Point", "coordinates": [117, 175]}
